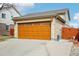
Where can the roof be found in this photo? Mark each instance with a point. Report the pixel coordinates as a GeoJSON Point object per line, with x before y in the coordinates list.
{"type": "Point", "coordinates": [8, 5]}
{"type": "Point", "coordinates": [16, 10]}
{"type": "Point", "coordinates": [43, 14]}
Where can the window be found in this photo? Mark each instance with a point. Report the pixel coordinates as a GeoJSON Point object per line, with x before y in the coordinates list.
{"type": "Point", "coordinates": [3, 15]}
{"type": "Point", "coordinates": [7, 27]}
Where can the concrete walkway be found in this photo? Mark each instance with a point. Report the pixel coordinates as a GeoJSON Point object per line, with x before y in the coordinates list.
{"type": "Point", "coordinates": [74, 51]}
{"type": "Point", "coordinates": [15, 47]}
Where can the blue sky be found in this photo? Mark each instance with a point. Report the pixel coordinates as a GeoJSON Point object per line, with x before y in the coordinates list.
{"type": "Point", "coordinates": [40, 7]}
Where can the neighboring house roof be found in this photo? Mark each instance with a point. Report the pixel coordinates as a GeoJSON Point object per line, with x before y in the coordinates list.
{"type": "Point", "coordinates": [16, 10]}
{"type": "Point", "coordinates": [44, 14]}
{"type": "Point", "coordinates": [8, 5]}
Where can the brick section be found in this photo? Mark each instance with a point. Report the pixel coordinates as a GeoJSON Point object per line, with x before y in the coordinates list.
{"type": "Point", "coordinates": [68, 33]}
{"type": "Point", "coordinates": [11, 30]}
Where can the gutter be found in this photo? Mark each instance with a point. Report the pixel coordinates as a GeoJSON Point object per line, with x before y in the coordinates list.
{"type": "Point", "coordinates": [68, 15]}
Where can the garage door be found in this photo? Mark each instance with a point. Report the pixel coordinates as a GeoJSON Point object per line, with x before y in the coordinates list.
{"type": "Point", "coordinates": [39, 30]}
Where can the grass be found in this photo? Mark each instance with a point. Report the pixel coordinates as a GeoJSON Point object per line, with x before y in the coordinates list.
{"type": "Point", "coordinates": [3, 38]}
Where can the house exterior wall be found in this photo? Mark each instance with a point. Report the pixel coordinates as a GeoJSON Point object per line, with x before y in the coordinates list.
{"type": "Point", "coordinates": [2, 29]}
{"type": "Point", "coordinates": [56, 27]}
{"type": "Point", "coordinates": [52, 28]}
{"type": "Point", "coordinates": [16, 30]}
{"type": "Point", "coordinates": [9, 12]}
{"type": "Point", "coordinates": [13, 12]}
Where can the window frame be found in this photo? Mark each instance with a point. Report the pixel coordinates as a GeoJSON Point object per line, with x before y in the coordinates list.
{"type": "Point", "coordinates": [3, 15]}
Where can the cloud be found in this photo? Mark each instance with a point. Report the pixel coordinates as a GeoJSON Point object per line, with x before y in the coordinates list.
{"type": "Point", "coordinates": [74, 25]}
{"type": "Point", "coordinates": [75, 21]}
{"type": "Point", "coordinates": [0, 5]}
{"type": "Point", "coordinates": [23, 7]}
{"type": "Point", "coordinates": [76, 16]}
{"type": "Point", "coordinates": [24, 4]}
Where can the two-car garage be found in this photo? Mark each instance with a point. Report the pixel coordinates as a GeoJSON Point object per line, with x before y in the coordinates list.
{"type": "Point", "coordinates": [40, 26]}
{"type": "Point", "coordinates": [35, 30]}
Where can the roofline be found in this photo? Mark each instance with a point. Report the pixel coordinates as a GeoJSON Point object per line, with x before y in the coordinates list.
{"type": "Point", "coordinates": [16, 10]}
{"type": "Point", "coordinates": [54, 13]}
{"type": "Point", "coordinates": [21, 19]}
{"type": "Point", "coordinates": [62, 10]}
{"type": "Point", "coordinates": [1, 6]}
{"type": "Point", "coordinates": [12, 7]}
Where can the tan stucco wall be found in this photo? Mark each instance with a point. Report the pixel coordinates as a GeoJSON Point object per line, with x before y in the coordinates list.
{"type": "Point", "coordinates": [52, 28]}
{"type": "Point", "coordinates": [57, 28]}
{"type": "Point", "coordinates": [16, 30]}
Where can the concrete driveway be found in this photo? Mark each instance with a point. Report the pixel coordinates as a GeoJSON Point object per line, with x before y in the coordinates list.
{"type": "Point", "coordinates": [18, 47]}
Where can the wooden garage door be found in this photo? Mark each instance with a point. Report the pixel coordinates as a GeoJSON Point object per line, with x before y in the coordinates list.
{"type": "Point", "coordinates": [39, 30]}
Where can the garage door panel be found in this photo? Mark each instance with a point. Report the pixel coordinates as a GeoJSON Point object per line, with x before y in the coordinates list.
{"type": "Point", "coordinates": [34, 31]}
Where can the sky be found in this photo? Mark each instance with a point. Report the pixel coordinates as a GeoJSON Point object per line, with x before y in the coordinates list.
{"type": "Point", "coordinates": [40, 7]}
